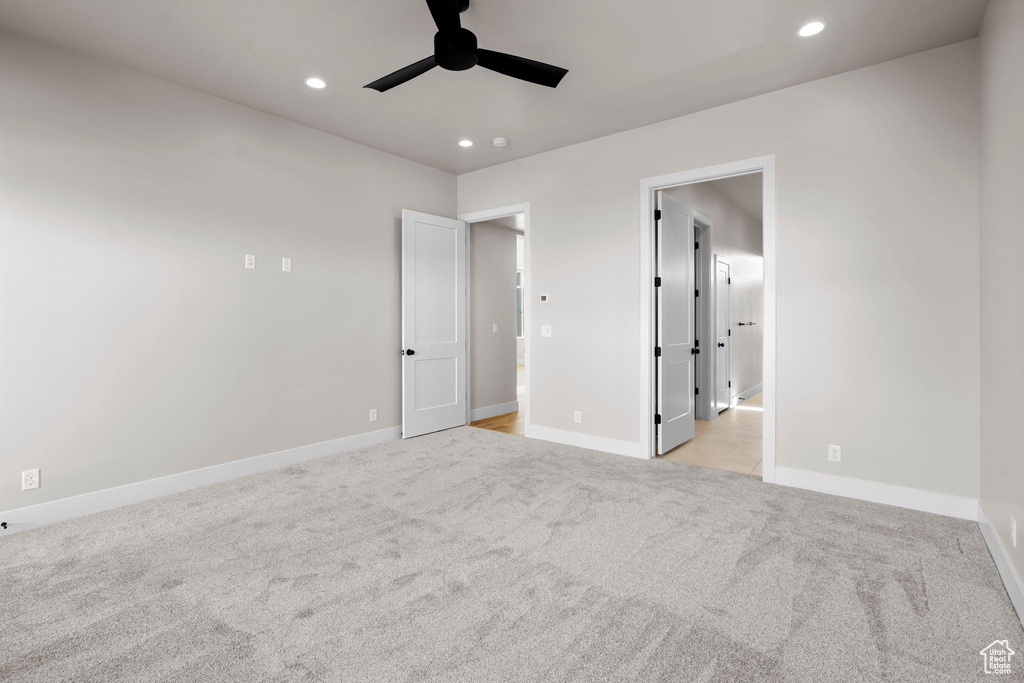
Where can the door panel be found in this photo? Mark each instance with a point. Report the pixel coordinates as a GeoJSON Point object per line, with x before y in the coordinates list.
{"type": "Point", "coordinates": [675, 307]}
{"type": "Point", "coordinates": [723, 348]}
{"type": "Point", "coordinates": [433, 323]}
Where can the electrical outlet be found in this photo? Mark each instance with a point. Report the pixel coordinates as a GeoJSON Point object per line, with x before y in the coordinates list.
{"type": "Point", "coordinates": [1013, 531]}
{"type": "Point", "coordinates": [29, 479]}
{"type": "Point", "coordinates": [545, 330]}
{"type": "Point", "coordinates": [494, 328]}
{"type": "Point", "coordinates": [286, 265]}
{"type": "Point", "coordinates": [835, 454]}
{"type": "Point", "coordinates": [577, 417]}
{"type": "Point", "coordinates": [250, 261]}
{"type": "Point", "coordinates": [373, 414]}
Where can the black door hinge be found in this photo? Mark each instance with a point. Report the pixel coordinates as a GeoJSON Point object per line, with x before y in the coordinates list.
{"type": "Point", "coordinates": [696, 391]}
{"type": "Point", "coordinates": [730, 384]}
{"type": "Point", "coordinates": [657, 214]}
{"type": "Point", "coordinates": [730, 331]}
{"type": "Point", "coordinates": [657, 281]}
{"type": "Point", "coordinates": [696, 292]}
{"type": "Point", "coordinates": [728, 280]}
{"type": "Point", "coordinates": [696, 245]}
{"type": "Point", "coordinates": [657, 419]}
{"type": "Point", "coordinates": [657, 350]}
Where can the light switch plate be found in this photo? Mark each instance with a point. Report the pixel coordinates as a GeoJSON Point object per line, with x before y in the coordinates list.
{"type": "Point", "coordinates": [545, 330]}
{"type": "Point", "coordinates": [494, 328]}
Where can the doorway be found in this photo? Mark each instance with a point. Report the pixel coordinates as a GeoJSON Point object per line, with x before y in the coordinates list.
{"type": "Point", "coordinates": [699, 345]}
{"type": "Point", "coordinates": [437, 323]}
{"type": "Point", "coordinates": [499, 287]}
{"type": "Point", "coordinates": [497, 296]}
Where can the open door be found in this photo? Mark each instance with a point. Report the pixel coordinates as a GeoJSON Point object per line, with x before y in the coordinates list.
{"type": "Point", "coordinates": [433, 323]}
{"type": "Point", "coordinates": [723, 351]}
{"type": "Point", "coordinates": [675, 293]}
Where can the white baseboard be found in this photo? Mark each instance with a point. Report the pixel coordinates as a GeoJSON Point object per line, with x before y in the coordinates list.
{"type": "Point", "coordinates": [22, 519]}
{"type": "Point", "coordinates": [1011, 579]}
{"type": "Point", "coordinates": [493, 411]}
{"type": "Point", "coordinates": [594, 443]}
{"type": "Point", "coordinates": [875, 492]}
{"type": "Point", "coordinates": [750, 393]}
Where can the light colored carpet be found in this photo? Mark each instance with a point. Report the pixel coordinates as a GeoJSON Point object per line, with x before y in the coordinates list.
{"type": "Point", "coordinates": [475, 556]}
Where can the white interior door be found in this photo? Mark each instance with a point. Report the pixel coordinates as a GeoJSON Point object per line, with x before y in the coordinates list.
{"type": "Point", "coordinates": [723, 350]}
{"type": "Point", "coordinates": [433, 323]}
{"type": "Point", "coordinates": [675, 297]}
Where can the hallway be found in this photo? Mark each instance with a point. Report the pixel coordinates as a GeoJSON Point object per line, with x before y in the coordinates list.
{"type": "Point", "coordinates": [510, 423]}
{"type": "Point", "coordinates": [732, 441]}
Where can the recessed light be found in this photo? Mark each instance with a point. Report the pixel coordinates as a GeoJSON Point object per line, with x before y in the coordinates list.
{"type": "Point", "coordinates": [811, 28]}
{"type": "Point", "coordinates": [314, 82]}
{"type": "Point", "coordinates": [465, 143]}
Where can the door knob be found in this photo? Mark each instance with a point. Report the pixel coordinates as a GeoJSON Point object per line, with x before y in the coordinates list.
{"type": "Point", "coordinates": [410, 352]}
{"type": "Point", "coordinates": [721, 345]}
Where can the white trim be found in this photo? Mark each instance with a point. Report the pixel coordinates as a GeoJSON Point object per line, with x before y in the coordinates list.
{"type": "Point", "coordinates": [705, 314]}
{"type": "Point", "coordinates": [1011, 579]}
{"type": "Point", "coordinates": [766, 166]}
{"type": "Point", "coordinates": [22, 519]}
{"type": "Point", "coordinates": [489, 215]}
{"type": "Point", "coordinates": [877, 492]}
{"type": "Point", "coordinates": [594, 443]}
{"type": "Point", "coordinates": [493, 411]}
{"type": "Point", "coordinates": [712, 286]}
{"type": "Point", "coordinates": [751, 392]}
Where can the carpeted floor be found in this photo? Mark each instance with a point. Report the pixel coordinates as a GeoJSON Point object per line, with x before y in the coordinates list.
{"type": "Point", "coordinates": [475, 556]}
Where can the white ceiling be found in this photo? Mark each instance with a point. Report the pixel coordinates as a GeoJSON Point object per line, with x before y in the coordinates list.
{"type": "Point", "coordinates": [630, 63]}
{"type": "Point", "coordinates": [745, 190]}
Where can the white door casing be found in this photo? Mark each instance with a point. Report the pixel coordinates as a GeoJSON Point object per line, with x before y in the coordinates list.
{"type": "Point", "coordinates": [723, 346]}
{"type": "Point", "coordinates": [433, 323]}
{"type": "Point", "coordinates": [649, 189]}
{"type": "Point", "coordinates": [675, 310]}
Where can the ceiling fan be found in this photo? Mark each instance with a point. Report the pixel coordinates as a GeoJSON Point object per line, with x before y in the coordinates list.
{"type": "Point", "coordinates": [455, 49]}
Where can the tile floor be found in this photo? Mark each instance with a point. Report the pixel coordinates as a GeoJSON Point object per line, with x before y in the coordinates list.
{"type": "Point", "coordinates": [732, 441]}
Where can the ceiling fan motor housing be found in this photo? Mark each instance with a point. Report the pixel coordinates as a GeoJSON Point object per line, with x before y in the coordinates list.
{"type": "Point", "coordinates": [455, 50]}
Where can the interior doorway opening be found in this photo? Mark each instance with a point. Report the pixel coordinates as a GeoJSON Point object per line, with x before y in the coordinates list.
{"type": "Point", "coordinates": [709, 317]}
{"type": "Point", "coordinates": [499, 293]}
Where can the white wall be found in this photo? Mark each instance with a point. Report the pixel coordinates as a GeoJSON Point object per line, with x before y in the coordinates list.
{"type": "Point", "coordinates": [878, 342]}
{"type": "Point", "coordinates": [133, 344]}
{"type": "Point", "coordinates": [737, 237]}
{"type": "Point", "coordinates": [492, 301]}
{"type": "Point", "coordinates": [1002, 279]}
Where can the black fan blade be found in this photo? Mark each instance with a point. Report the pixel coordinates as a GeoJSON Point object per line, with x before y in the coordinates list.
{"type": "Point", "coordinates": [521, 68]}
{"type": "Point", "coordinates": [446, 14]}
{"type": "Point", "coordinates": [402, 75]}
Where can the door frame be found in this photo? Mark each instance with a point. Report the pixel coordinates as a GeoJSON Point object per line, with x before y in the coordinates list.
{"type": "Point", "coordinates": [488, 215]}
{"type": "Point", "coordinates": [717, 259]}
{"type": "Point", "coordinates": [704, 277]}
{"type": "Point", "coordinates": [648, 401]}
